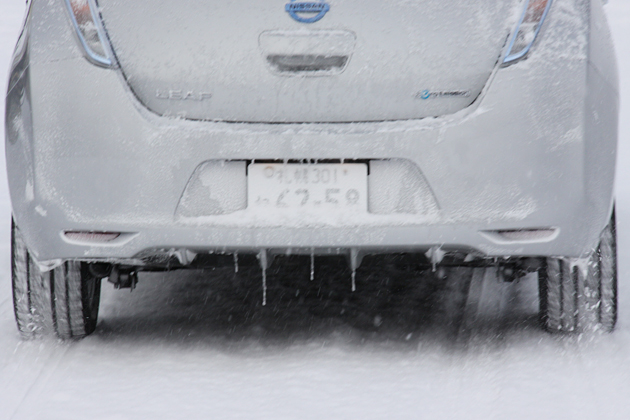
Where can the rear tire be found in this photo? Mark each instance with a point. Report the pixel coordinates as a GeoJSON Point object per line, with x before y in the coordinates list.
{"type": "Point", "coordinates": [579, 297]}
{"type": "Point", "coordinates": [63, 301]}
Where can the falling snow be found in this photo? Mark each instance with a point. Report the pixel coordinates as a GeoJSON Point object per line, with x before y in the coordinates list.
{"type": "Point", "coordinates": [181, 346]}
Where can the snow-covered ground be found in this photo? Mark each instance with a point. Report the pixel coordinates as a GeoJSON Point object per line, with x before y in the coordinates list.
{"type": "Point", "coordinates": [182, 347]}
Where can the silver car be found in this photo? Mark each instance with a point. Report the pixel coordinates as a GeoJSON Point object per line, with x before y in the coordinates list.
{"type": "Point", "coordinates": [159, 134]}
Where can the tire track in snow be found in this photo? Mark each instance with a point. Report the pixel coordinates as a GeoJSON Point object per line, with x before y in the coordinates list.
{"type": "Point", "coordinates": [27, 373]}
{"type": "Point", "coordinates": [489, 313]}
{"type": "Point", "coordinates": [494, 307]}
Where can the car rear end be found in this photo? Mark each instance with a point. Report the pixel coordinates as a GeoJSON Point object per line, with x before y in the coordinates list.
{"type": "Point", "coordinates": [162, 132]}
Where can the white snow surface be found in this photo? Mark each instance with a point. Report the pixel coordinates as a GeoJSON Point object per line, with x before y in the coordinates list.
{"type": "Point", "coordinates": [169, 350]}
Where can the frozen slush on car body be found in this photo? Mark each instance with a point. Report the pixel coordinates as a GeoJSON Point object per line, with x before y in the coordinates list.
{"type": "Point", "coordinates": [151, 135]}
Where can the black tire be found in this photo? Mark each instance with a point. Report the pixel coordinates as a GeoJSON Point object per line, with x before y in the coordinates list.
{"type": "Point", "coordinates": [575, 296]}
{"type": "Point", "coordinates": [63, 301]}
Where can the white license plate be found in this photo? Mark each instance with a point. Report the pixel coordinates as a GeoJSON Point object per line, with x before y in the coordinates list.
{"type": "Point", "coordinates": [319, 186]}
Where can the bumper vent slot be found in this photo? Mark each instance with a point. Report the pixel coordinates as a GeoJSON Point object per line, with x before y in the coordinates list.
{"type": "Point", "coordinates": [302, 63]}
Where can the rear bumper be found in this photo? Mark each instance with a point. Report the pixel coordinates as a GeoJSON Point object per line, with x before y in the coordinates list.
{"type": "Point", "coordinates": [537, 150]}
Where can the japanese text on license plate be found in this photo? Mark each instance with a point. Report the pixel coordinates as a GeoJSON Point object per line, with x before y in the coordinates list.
{"type": "Point", "coordinates": [315, 186]}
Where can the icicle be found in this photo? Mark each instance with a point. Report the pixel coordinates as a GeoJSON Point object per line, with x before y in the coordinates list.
{"type": "Point", "coordinates": [435, 254]}
{"type": "Point", "coordinates": [236, 262]}
{"type": "Point", "coordinates": [262, 258]}
{"type": "Point", "coordinates": [312, 264]}
{"type": "Point", "coordinates": [184, 256]}
{"type": "Point", "coordinates": [354, 264]}
{"type": "Point", "coordinates": [264, 281]}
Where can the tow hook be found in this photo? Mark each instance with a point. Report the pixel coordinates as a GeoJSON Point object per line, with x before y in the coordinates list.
{"type": "Point", "coordinates": [509, 272]}
{"type": "Point", "coordinates": [123, 277]}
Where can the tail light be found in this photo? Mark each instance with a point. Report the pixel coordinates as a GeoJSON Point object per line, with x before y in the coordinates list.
{"type": "Point", "coordinates": [527, 30]}
{"type": "Point", "coordinates": [90, 32]}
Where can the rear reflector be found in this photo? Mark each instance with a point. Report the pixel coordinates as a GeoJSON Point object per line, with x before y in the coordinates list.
{"type": "Point", "coordinates": [526, 234]}
{"type": "Point", "coordinates": [91, 237]}
{"type": "Point", "coordinates": [522, 235]}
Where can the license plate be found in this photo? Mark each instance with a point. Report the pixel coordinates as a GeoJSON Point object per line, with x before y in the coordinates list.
{"type": "Point", "coordinates": [336, 187]}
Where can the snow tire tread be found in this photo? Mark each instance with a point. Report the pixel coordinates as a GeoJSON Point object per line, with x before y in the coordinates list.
{"type": "Point", "coordinates": [574, 297]}
{"type": "Point", "coordinates": [55, 302]}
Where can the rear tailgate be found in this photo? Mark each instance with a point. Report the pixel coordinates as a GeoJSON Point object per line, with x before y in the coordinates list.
{"type": "Point", "coordinates": [249, 60]}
